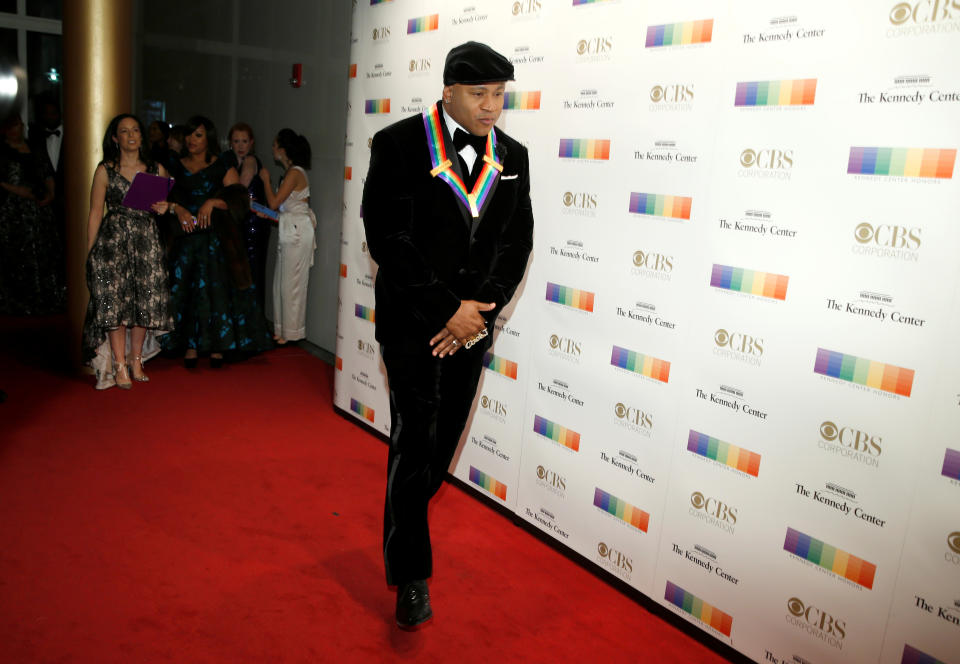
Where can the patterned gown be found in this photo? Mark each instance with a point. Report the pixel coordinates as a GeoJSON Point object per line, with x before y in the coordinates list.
{"type": "Point", "coordinates": [127, 279]}
{"type": "Point", "coordinates": [31, 248]}
{"type": "Point", "coordinates": [212, 314]}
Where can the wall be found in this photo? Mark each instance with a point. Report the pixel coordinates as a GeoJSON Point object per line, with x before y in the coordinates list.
{"type": "Point", "coordinates": [231, 60]}
{"type": "Point", "coordinates": [730, 378]}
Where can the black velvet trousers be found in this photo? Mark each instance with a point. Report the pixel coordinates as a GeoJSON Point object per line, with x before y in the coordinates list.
{"type": "Point", "coordinates": [430, 401]}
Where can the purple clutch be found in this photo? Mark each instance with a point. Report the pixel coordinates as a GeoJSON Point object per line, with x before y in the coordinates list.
{"type": "Point", "coordinates": [146, 190]}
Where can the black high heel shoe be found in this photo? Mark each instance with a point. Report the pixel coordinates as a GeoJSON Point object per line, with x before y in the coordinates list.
{"type": "Point", "coordinates": [216, 362]}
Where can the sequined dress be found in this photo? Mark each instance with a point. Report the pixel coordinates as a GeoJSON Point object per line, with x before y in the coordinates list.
{"type": "Point", "coordinates": [211, 313]}
{"type": "Point", "coordinates": [31, 249]}
{"type": "Point", "coordinates": [127, 279]}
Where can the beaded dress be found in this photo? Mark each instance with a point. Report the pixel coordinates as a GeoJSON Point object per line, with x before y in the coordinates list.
{"type": "Point", "coordinates": [126, 277]}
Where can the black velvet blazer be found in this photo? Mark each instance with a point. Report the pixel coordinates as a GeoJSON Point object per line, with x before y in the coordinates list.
{"type": "Point", "coordinates": [430, 252]}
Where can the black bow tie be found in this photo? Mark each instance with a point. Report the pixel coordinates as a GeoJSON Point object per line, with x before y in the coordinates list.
{"type": "Point", "coordinates": [462, 139]}
{"type": "Point", "coordinates": [53, 132]}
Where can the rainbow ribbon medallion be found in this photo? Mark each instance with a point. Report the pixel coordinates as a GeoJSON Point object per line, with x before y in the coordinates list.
{"type": "Point", "coordinates": [475, 200]}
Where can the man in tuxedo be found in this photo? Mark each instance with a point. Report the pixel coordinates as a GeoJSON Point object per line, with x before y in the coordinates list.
{"type": "Point", "coordinates": [447, 213]}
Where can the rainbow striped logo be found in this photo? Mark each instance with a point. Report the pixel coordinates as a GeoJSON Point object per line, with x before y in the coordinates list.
{"type": "Point", "coordinates": [500, 365]}
{"type": "Point", "coordinates": [797, 92]}
{"type": "Point", "coordinates": [905, 162]}
{"type": "Point", "coordinates": [951, 464]}
{"type": "Point", "coordinates": [348, 172]}
{"type": "Point", "coordinates": [586, 2]}
{"type": "Point", "coordinates": [366, 412]}
{"type": "Point", "coordinates": [645, 365]}
{"type": "Point", "coordinates": [378, 2]}
{"type": "Point", "coordinates": [423, 24]}
{"type": "Point", "coordinates": [488, 484]}
{"type": "Point", "coordinates": [353, 71]}
{"type": "Point", "coordinates": [621, 509]}
{"type": "Point", "coordinates": [658, 205]}
{"type": "Point", "coordinates": [585, 148]}
{"type": "Point", "coordinates": [696, 607]}
{"type": "Point", "coordinates": [830, 558]}
{"type": "Point", "coordinates": [521, 101]}
{"type": "Point", "coordinates": [376, 106]}
{"type": "Point", "coordinates": [879, 376]}
{"type": "Point", "coordinates": [556, 433]}
{"type": "Point", "coordinates": [764, 284]}
{"type": "Point", "coordinates": [343, 269]}
{"type": "Point", "coordinates": [729, 455]}
{"type": "Point", "coordinates": [680, 34]}
{"type": "Point", "coordinates": [366, 313]}
{"type": "Point", "coordinates": [913, 656]}
{"type": "Point", "coordinates": [570, 297]}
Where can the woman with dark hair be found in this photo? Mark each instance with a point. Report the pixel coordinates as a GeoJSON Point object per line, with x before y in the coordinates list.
{"type": "Point", "coordinates": [214, 299]}
{"type": "Point", "coordinates": [256, 230]}
{"type": "Point", "coordinates": [295, 243]}
{"type": "Point", "coordinates": [31, 252]}
{"type": "Point", "coordinates": [157, 148]}
{"type": "Point", "coordinates": [125, 271]}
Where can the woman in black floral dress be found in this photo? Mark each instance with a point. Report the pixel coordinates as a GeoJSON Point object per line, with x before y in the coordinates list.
{"type": "Point", "coordinates": [213, 295]}
{"type": "Point", "coordinates": [125, 267]}
{"type": "Point", "coordinates": [31, 255]}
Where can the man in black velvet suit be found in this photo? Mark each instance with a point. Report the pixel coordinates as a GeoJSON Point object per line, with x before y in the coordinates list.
{"type": "Point", "coordinates": [448, 219]}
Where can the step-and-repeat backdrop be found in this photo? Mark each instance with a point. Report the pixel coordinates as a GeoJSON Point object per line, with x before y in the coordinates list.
{"type": "Point", "coordinates": [731, 377]}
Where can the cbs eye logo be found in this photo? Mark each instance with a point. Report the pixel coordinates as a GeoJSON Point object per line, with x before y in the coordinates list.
{"type": "Point", "coordinates": [554, 341]}
{"type": "Point", "coordinates": [541, 472]}
{"type": "Point", "coordinates": [829, 431]}
{"type": "Point", "coordinates": [697, 500]}
{"type": "Point", "coordinates": [603, 549]}
{"type": "Point", "coordinates": [656, 93]}
{"type": "Point", "coordinates": [748, 158]}
{"type": "Point", "coordinates": [722, 337]}
{"type": "Point", "coordinates": [620, 410]}
{"type": "Point", "coordinates": [484, 402]}
{"type": "Point", "coordinates": [568, 199]}
{"type": "Point", "coordinates": [795, 606]}
{"type": "Point", "coordinates": [864, 233]}
{"type": "Point", "coordinates": [953, 541]}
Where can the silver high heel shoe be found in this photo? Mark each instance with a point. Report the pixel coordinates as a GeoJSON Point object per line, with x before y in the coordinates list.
{"type": "Point", "coordinates": [138, 359]}
{"type": "Point", "coordinates": [121, 376]}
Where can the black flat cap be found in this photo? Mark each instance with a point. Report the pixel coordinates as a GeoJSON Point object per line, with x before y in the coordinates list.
{"type": "Point", "coordinates": [474, 63]}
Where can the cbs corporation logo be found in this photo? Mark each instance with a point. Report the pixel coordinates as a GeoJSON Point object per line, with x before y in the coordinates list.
{"type": "Point", "coordinates": [526, 7]}
{"type": "Point", "coordinates": [671, 94]}
{"type": "Point", "coordinates": [939, 10]}
{"type": "Point", "coordinates": [595, 46]}
{"type": "Point", "coordinates": [886, 235]}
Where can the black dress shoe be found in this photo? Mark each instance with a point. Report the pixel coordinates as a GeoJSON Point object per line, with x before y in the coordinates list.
{"type": "Point", "coordinates": [413, 604]}
{"type": "Point", "coordinates": [216, 362]}
{"type": "Point", "coordinates": [190, 363]}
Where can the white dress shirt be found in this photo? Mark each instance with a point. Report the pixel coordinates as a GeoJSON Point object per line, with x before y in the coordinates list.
{"type": "Point", "coordinates": [468, 153]}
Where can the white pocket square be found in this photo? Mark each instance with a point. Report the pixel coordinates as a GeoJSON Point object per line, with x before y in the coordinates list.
{"type": "Point", "coordinates": [509, 177]}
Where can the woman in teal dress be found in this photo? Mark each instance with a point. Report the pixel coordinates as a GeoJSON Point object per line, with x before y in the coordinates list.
{"type": "Point", "coordinates": [214, 300]}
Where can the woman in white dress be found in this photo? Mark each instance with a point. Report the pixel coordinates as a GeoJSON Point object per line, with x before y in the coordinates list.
{"type": "Point", "coordinates": [295, 242]}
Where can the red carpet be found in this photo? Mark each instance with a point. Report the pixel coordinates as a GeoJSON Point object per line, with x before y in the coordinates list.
{"type": "Point", "coordinates": [233, 516]}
